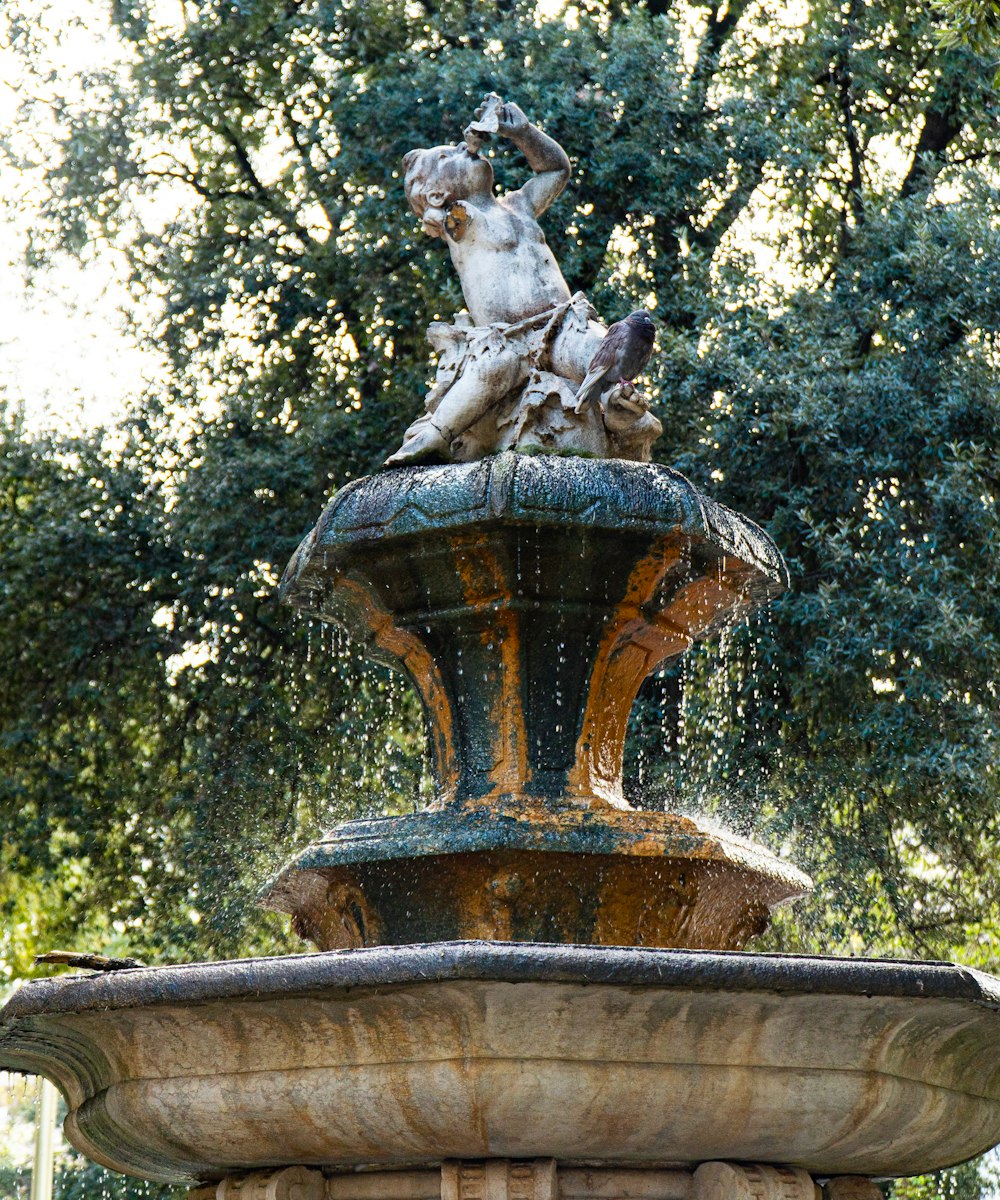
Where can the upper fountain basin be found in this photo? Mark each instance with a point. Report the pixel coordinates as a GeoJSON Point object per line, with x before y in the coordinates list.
{"type": "Point", "coordinates": [528, 598]}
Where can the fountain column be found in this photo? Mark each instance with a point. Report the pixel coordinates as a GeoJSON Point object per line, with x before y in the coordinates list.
{"type": "Point", "coordinates": [543, 1179]}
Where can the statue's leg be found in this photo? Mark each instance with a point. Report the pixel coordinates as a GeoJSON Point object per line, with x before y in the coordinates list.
{"type": "Point", "coordinates": [486, 378]}
{"type": "Point", "coordinates": [422, 442]}
{"type": "Point", "coordinates": [574, 346]}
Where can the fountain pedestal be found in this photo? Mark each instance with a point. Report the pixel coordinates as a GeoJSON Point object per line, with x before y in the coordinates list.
{"type": "Point", "coordinates": [528, 599]}
{"type": "Point", "coordinates": [543, 1179]}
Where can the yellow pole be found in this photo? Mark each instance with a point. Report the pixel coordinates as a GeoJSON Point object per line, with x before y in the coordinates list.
{"type": "Point", "coordinates": [45, 1129]}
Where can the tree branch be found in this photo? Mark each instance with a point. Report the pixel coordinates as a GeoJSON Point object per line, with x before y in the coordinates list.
{"type": "Point", "coordinates": [942, 124]}
{"type": "Point", "coordinates": [262, 193]}
{"type": "Point", "coordinates": [734, 204]}
{"type": "Point", "coordinates": [243, 159]}
{"type": "Point", "coordinates": [202, 189]}
{"type": "Point", "coordinates": [844, 82]}
{"type": "Point", "coordinates": [302, 149]}
{"type": "Point", "coordinates": [721, 23]}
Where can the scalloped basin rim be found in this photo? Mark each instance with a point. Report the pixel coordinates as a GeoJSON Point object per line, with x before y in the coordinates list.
{"type": "Point", "coordinates": [458, 829]}
{"type": "Point", "coordinates": [513, 489]}
{"type": "Point", "coordinates": [507, 962]}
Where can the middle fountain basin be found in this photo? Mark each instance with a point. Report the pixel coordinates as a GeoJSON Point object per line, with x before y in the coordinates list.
{"type": "Point", "coordinates": [533, 874]}
{"type": "Point", "coordinates": [409, 1055]}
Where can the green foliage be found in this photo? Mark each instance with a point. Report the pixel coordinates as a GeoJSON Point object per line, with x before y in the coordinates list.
{"type": "Point", "coordinates": [809, 199]}
{"type": "Point", "coordinates": [78, 1179]}
{"type": "Point", "coordinates": [970, 1181]}
{"type": "Point", "coordinates": [153, 688]}
{"type": "Point", "coordinates": [974, 23]}
{"type": "Point", "coordinates": [15, 1183]}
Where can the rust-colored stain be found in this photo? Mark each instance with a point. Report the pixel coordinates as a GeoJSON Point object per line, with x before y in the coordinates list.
{"type": "Point", "coordinates": [635, 643]}
{"type": "Point", "coordinates": [630, 649]}
{"type": "Point", "coordinates": [424, 672]}
{"type": "Point", "coordinates": [697, 605]}
{"type": "Point", "coordinates": [334, 913]}
{"type": "Point", "coordinates": [456, 221]}
{"type": "Point", "coordinates": [584, 899]}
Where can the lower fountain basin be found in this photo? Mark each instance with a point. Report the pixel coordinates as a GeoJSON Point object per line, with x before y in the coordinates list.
{"type": "Point", "coordinates": [397, 1056]}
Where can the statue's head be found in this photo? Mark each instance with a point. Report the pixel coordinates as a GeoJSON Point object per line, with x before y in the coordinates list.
{"type": "Point", "coordinates": [435, 178]}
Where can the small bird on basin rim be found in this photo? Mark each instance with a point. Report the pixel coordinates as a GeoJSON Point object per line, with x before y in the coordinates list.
{"type": "Point", "coordinates": [621, 356]}
{"type": "Point", "coordinates": [91, 962]}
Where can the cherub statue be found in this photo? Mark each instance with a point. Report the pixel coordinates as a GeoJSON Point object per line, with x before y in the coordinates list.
{"type": "Point", "coordinates": [509, 372]}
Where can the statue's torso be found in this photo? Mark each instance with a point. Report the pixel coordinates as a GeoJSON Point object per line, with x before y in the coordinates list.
{"type": "Point", "coordinates": [506, 269]}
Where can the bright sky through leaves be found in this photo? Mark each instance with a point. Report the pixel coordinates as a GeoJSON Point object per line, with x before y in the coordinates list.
{"type": "Point", "coordinates": [65, 352]}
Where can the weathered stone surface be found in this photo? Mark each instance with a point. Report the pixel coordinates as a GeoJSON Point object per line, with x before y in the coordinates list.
{"type": "Point", "coordinates": [532, 1179]}
{"type": "Point", "coordinates": [622, 1183]}
{"type": "Point", "coordinates": [383, 1185]}
{"type": "Point", "coordinates": [851, 1187]}
{"type": "Point", "coordinates": [528, 599]}
{"type": "Point", "coordinates": [544, 874]}
{"type": "Point", "coordinates": [729, 1181]}
{"type": "Point", "coordinates": [499, 1179]}
{"type": "Point", "coordinates": [290, 1183]}
{"type": "Point", "coordinates": [613, 1057]}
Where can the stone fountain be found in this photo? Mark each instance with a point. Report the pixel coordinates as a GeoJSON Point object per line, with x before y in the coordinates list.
{"type": "Point", "coordinates": [527, 991]}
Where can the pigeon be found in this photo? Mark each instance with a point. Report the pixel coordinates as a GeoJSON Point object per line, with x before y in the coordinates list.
{"type": "Point", "coordinates": [622, 355]}
{"type": "Point", "coordinates": [93, 962]}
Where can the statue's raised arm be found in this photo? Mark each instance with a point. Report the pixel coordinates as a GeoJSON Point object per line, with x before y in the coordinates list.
{"type": "Point", "coordinates": [545, 156]}
{"type": "Point", "coordinates": [509, 373]}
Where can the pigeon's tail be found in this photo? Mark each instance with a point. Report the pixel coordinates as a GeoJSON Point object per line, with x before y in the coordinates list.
{"type": "Point", "coordinates": [590, 389]}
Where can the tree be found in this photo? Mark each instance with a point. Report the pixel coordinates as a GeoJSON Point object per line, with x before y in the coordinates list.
{"type": "Point", "coordinates": [833, 375]}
